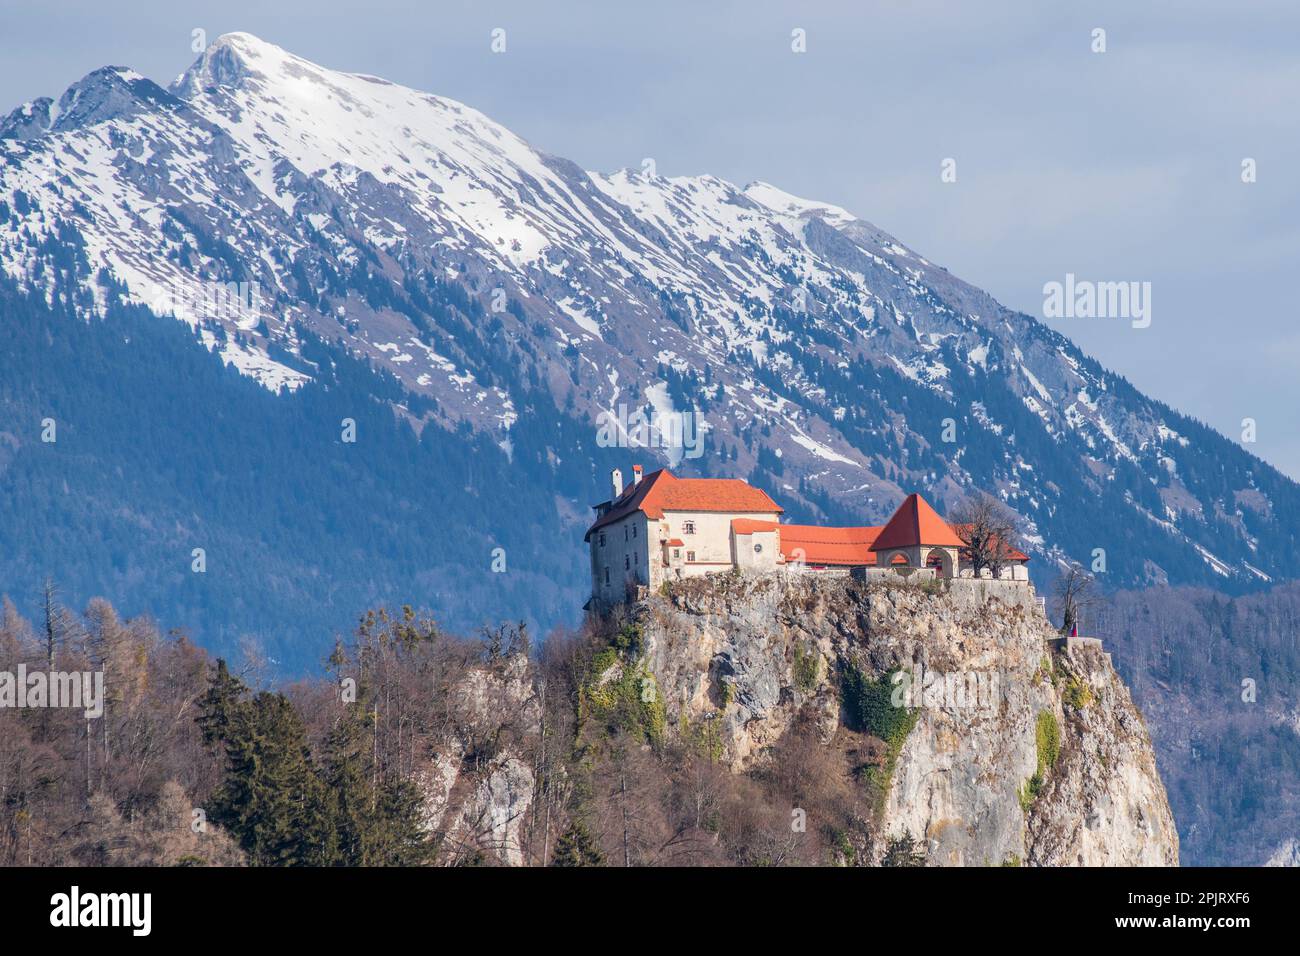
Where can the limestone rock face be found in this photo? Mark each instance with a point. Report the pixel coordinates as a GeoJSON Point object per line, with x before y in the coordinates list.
{"type": "Point", "coordinates": [1287, 854]}
{"type": "Point", "coordinates": [1022, 751]}
{"type": "Point", "coordinates": [478, 787]}
{"type": "Point", "coordinates": [1105, 804]}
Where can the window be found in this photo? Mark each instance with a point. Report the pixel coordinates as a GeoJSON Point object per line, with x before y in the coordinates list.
{"type": "Point", "coordinates": [690, 555]}
{"type": "Point", "coordinates": [758, 549]}
{"type": "Point", "coordinates": [602, 539]}
{"type": "Point", "coordinates": [677, 552]}
{"type": "Point", "coordinates": [627, 563]}
{"type": "Point", "coordinates": [688, 527]}
{"type": "Point", "coordinates": [624, 532]}
{"type": "Point", "coordinates": [634, 531]}
{"type": "Point", "coordinates": [636, 558]}
{"type": "Point", "coordinates": [607, 575]}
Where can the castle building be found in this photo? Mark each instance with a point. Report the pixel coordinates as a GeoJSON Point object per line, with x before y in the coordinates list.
{"type": "Point", "coordinates": [663, 528]}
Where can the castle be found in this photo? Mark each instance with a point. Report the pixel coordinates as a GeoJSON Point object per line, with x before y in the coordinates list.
{"type": "Point", "coordinates": [664, 528]}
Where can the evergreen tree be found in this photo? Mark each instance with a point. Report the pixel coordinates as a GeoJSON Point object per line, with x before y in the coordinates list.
{"type": "Point", "coordinates": [905, 850]}
{"type": "Point", "coordinates": [220, 704]}
{"type": "Point", "coordinates": [348, 770]}
{"type": "Point", "coordinates": [576, 848]}
{"type": "Point", "coordinates": [376, 821]}
{"type": "Point", "coordinates": [272, 799]}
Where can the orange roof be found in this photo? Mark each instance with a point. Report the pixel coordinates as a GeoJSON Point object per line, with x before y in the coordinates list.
{"type": "Point", "coordinates": [814, 544]}
{"type": "Point", "coordinates": [916, 523]}
{"type": "Point", "coordinates": [750, 525]}
{"type": "Point", "coordinates": [662, 491]}
{"type": "Point", "coordinates": [818, 545]}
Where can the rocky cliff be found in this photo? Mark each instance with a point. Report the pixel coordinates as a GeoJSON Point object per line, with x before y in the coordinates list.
{"type": "Point", "coordinates": [767, 720]}
{"type": "Point", "coordinates": [478, 784]}
{"type": "Point", "coordinates": [986, 740]}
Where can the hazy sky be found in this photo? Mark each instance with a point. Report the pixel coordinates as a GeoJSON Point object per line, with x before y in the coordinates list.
{"type": "Point", "coordinates": [1123, 165]}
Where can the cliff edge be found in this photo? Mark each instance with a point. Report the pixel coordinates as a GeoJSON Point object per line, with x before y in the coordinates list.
{"type": "Point", "coordinates": [979, 736]}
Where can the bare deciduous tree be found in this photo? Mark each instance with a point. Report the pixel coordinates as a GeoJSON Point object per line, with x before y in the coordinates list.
{"type": "Point", "coordinates": [988, 529]}
{"type": "Point", "coordinates": [1075, 591]}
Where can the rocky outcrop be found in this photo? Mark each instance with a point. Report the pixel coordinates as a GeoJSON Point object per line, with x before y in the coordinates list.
{"type": "Point", "coordinates": [1287, 854]}
{"type": "Point", "coordinates": [1104, 804]}
{"type": "Point", "coordinates": [478, 787]}
{"type": "Point", "coordinates": [1007, 746]}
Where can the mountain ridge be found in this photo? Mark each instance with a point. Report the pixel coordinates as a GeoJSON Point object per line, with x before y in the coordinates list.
{"type": "Point", "coordinates": [827, 359]}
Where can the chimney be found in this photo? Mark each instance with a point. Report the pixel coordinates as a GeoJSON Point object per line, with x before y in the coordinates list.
{"type": "Point", "coordinates": [636, 475]}
{"type": "Point", "coordinates": [616, 480]}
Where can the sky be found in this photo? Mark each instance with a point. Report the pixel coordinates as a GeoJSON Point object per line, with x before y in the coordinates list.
{"type": "Point", "coordinates": [1122, 165]}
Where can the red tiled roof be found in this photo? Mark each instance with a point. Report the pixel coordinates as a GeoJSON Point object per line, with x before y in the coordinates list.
{"type": "Point", "coordinates": [750, 525]}
{"type": "Point", "coordinates": [916, 523]}
{"type": "Point", "coordinates": [814, 544]}
{"type": "Point", "coordinates": [662, 491]}
{"type": "Point", "coordinates": [818, 545]}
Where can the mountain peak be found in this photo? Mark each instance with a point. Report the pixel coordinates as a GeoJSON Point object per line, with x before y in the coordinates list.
{"type": "Point", "coordinates": [27, 121]}
{"type": "Point", "coordinates": [230, 59]}
{"type": "Point", "coordinates": [247, 42]}
{"type": "Point", "coordinates": [103, 94]}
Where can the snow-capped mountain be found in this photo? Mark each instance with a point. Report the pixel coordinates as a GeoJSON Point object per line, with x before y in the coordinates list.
{"type": "Point", "coordinates": [834, 363]}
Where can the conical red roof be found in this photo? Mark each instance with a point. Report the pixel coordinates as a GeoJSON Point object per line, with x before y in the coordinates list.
{"type": "Point", "coordinates": [916, 523]}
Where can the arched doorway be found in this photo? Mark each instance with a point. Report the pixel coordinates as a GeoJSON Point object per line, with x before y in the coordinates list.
{"type": "Point", "coordinates": [940, 561]}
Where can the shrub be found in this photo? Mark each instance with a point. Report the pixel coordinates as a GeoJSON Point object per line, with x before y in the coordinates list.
{"type": "Point", "coordinates": [1078, 693]}
{"type": "Point", "coordinates": [870, 708]}
{"type": "Point", "coordinates": [627, 640]}
{"type": "Point", "coordinates": [1047, 735]}
{"type": "Point", "coordinates": [807, 668]}
{"type": "Point", "coordinates": [629, 701]}
{"type": "Point", "coordinates": [905, 850]}
{"type": "Point", "coordinates": [726, 690]}
{"type": "Point", "coordinates": [1047, 669]}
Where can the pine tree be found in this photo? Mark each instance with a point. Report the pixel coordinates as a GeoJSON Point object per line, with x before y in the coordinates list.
{"type": "Point", "coordinates": [576, 848]}
{"type": "Point", "coordinates": [272, 799]}
{"type": "Point", "coordinates": [375, 823]}
{"type": "Point", "coordinates": [219, 704]}
{"type": "Point", "coordinates": [349, 777]}
{"type": "Point", "coordinates": [405, 842]}
{"type": "Point", "coordinates": [905, 850]}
